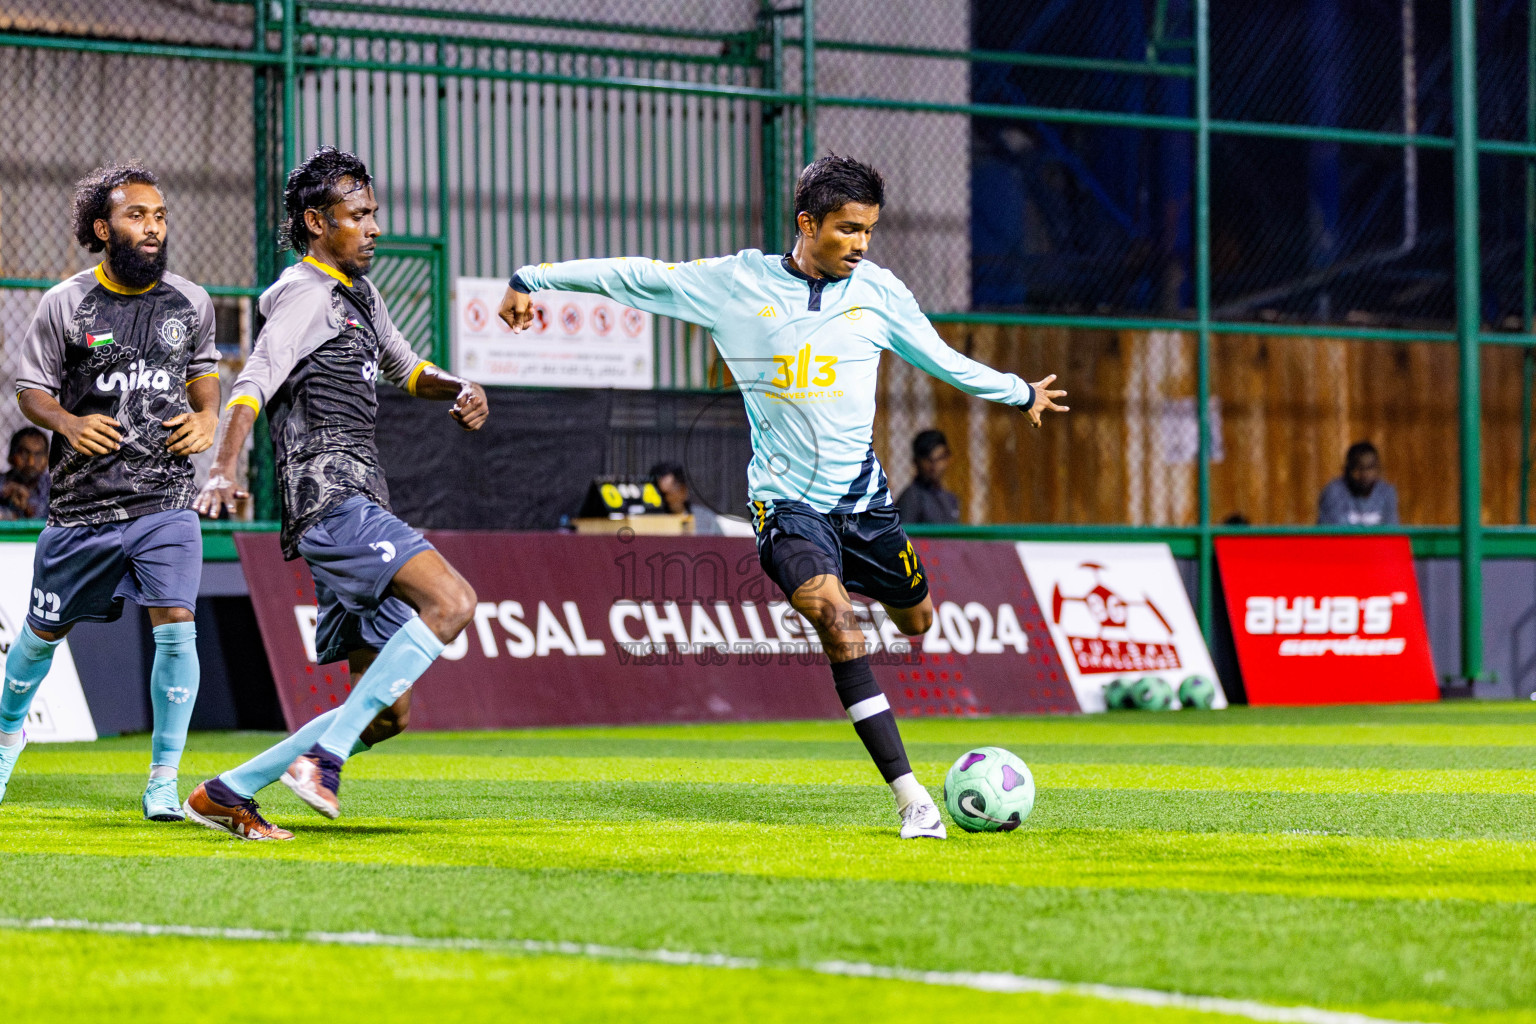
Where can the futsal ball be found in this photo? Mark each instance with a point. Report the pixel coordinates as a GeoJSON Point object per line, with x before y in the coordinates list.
{"type": "Point", "coordinates": [989, 790]}
{"type": "Point", "coordinates": [1197, 692]}
{"type": "Point", "coordinates": [1117, 693]}
{"type": "Point", "coordinates": [1152, 694]}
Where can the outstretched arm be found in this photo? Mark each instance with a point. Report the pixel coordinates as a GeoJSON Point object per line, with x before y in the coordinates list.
{"type": "Point", "coordinates": [695, 292]}
{"type": "Point", "coordinates": [220, 493]}
{"type": "Point", "coordinates": [469, 408]}
{"type": "Point", "coordinates": [913, 338]}
{"type": "Point", "coordinates": [297, 324]}
{"type": "Point", "coordinates": [402, 367]}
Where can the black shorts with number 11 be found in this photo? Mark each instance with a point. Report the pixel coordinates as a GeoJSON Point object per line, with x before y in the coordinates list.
{"type": "Point", "coordinates": [868, 551]}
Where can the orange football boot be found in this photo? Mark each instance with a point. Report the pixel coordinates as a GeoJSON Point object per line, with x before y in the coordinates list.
{"type": "Point", "coordinates": [242, 820]}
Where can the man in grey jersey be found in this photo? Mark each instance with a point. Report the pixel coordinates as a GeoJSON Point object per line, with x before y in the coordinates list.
{"type": "Point", "coordinates": [388, 602]}
{"type": "Point", "coordinates": [119, 363]}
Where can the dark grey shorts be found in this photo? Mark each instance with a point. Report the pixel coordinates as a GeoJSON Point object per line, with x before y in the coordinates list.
{"type": "Point", "coordinates": [85, 573]}
{"type": "Point", "coordinates": [354, 553]}
{"type": "Point", "coordinates": [868, 551]}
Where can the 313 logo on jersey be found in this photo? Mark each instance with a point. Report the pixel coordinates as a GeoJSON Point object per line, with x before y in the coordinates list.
{"type": "Point", "coordinates": [794, 371]}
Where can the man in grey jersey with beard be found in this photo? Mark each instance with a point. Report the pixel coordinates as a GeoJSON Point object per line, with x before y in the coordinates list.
{"type": "Point", "coordinates": [119, 363]}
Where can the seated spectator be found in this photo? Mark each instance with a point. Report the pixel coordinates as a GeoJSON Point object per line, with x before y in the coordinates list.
{"type": "Point", "coordinates": [24, 487]}
{"type": "Point", "coordinates": [671, 480]}
{"type": "Point", "coordinates": [1360, 497]}
{"type": "Point", "coordinates": [925, 500]}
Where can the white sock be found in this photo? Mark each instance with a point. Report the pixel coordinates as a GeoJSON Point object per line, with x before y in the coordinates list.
{"type": "Point", "coordinates": [9, 739]}
{"type": "Point", "coordinates": [162, 771]}
{"type": "Point", "coordinates": [909, 791]}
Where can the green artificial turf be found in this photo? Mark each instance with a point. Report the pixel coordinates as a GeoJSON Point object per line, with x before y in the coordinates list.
{"type": "Point", "coordinates": [1371, 860]}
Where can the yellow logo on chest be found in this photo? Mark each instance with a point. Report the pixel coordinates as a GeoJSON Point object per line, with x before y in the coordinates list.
{"type": "Point", "coordinates": [794, 371]}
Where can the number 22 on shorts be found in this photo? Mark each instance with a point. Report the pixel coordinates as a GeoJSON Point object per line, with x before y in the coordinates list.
{"type": "Point", "coordinates": [45, 606]}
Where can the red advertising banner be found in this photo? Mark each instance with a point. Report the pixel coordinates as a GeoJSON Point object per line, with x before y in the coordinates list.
{"type": "Point", "coordinates": [1327, 620]}
{"type": "Point", "coordinates": [590, 630]}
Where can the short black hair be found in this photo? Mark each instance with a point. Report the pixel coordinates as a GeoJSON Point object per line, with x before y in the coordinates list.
{"type": "Point", "coordinates": [833, 182]}
{"type": "Point", "coordinates": [1359, 450]}
{"type": "Point", "coordinates": [674, 469]}
{"type": "Point", "coordinates": [93, 197]}
{"type": "Point", "coordinates": [21, 435]}
{"type": "Point", "coordinates": [316, 185]}
{"type": "Point", "coordinates": [924, 443]}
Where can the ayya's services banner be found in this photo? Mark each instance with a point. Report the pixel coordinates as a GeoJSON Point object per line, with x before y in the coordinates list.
{"type": "Point", "coordinates": [1327, 620]}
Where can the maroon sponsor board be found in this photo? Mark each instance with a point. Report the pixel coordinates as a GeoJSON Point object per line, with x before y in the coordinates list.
{"type": "Point", "coordinates": [588, 630]}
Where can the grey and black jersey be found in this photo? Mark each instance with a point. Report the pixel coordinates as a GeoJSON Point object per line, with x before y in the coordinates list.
{"type": "Point", "coordinates": [324, 341]}
{"type": "Point", "coordinates": [99, 348]}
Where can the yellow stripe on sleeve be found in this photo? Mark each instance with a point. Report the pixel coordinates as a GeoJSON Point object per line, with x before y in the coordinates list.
{"type": "Point", "coordinates": [210, 373]}
{"type": "Point", "coordinates": [244, 400]}
{"type": "Point", "coordinates": [410, 382]}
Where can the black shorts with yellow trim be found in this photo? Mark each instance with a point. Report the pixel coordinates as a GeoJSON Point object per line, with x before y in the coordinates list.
{"type": "Point", "coordinates": [868, 551]}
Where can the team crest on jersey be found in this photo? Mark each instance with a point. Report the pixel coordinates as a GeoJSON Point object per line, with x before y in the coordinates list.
{"type": "Point", "coordinates": [173, 331]}
{"type": "Point", "coordinates": [856, 313]}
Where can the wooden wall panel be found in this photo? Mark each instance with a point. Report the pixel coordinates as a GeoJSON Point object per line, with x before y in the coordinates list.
{"type": "Point", "coordinates": [1289, 408]}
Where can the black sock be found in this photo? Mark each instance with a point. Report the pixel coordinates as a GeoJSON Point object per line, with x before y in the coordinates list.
{"type": "Point", "coordinates": [872, 717]}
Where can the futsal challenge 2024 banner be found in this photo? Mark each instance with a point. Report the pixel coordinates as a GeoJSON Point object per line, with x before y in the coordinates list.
{"type": "Point", "coordinates": [582, 629]}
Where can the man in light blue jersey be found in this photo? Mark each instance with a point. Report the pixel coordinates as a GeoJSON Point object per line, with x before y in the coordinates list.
{"type": "Point", "coordinates": [802, 335]}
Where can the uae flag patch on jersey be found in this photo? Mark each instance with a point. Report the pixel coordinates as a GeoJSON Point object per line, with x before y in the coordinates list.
{"type": "Point", "coordinates": [98, 340]}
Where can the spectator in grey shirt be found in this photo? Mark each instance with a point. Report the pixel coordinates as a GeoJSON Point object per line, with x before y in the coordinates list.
{"type": "Point", "coordinates": [1360, 497]}
{"type": "Point", "coordinates": [925, 500]}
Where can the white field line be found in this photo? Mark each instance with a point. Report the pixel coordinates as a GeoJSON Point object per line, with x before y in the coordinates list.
{"type": "Point", "coordinates": [978, 981]}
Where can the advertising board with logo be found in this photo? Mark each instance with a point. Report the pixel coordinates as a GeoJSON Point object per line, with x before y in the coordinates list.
{"type": "Point", "coordinates": [576, 340]}
{"type": "Point", "coordinates": [1117, 611]}
{"type": "Point", "coordinates": [590, 630]}
{"type": "Point", "coordinates": [1326, 620]}
{"type": "Point", "coordinates": [59, 713]}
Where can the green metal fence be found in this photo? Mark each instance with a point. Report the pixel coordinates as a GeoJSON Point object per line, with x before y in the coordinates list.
{"type": "Point", "coordinates": [674, 131]}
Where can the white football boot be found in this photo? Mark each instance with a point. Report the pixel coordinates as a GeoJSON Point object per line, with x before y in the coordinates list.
{"type": "Point", "coordinates": [921, 820]}
{"type": "Point", "coordinates": [8, 758]}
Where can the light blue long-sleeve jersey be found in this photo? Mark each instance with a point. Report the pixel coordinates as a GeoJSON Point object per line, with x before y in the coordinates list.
{"type": "Point", "coordinates": [804, 352]}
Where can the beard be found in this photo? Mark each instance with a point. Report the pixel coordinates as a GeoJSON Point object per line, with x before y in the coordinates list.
{"type": "Point", "coordinates": [357, 267]}
{"type": "Point", "coordinates": [132, 266]}
{"type": "Point", "coordinates": [352, 270]}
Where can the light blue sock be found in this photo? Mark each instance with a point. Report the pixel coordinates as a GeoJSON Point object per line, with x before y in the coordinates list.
{"type": "Point", "coordinates": [268, 766]}
{"type": "Point", "coordinates": [172, 691]}
{"type": "Point", "coordinates": [27, 665]}
{"type": "Point", "coordinates": [401, 662]}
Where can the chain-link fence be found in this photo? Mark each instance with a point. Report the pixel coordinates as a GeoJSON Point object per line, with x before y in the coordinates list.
{"type": "Point", "coordinates": [1044, 181]}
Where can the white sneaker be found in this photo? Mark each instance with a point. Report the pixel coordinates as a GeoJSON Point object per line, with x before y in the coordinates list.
{"type": "Point", "coordinates": [921, 820]}
{"type": "Point", "coordinates": [8, 758]}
